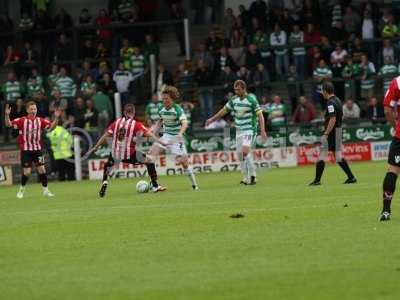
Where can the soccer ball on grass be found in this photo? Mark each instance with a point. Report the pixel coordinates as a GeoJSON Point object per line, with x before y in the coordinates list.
{"type": "Point", "coordinates": [142, 186]}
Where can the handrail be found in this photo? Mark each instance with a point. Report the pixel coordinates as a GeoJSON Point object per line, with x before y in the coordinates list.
{"type": "Point", "coordinates": [84, 27]}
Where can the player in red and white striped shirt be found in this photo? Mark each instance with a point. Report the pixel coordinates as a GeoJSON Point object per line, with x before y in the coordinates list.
{"type": "Point", "coordinates": [124, 132]}
{"type": "Point", "coordinates": [30, 143]}
{"type": "Point", "coordinates": [391, 105]}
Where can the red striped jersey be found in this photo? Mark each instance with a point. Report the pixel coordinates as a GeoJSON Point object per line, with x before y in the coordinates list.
{"type": "Point", "coordinates": [30, 132]}
{"type": "Point", "coordinates": [392, 100]}
{"type": "Point", "coordinates": [124, 132]}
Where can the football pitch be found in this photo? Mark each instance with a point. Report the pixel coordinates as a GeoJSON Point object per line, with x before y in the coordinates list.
{"type": "Point", "coordinates": [294, 242]}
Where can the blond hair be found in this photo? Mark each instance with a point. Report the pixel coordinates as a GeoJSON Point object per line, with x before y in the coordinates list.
{"type": "Point", "coordinates": [171, 91]}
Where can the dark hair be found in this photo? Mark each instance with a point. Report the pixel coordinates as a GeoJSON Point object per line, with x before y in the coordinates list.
{"type": "Point", "coordinates": [328, 87]}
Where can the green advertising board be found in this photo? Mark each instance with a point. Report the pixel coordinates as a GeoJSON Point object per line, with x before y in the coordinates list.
{"type": "Point", "coordinates": [285, 137]}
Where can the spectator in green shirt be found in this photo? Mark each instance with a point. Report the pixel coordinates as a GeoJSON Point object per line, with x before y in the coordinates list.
{"type": "Point", "coordinates": [103, 106]}
{"type": "Point", "coordinates": [125, 54]}
{"type": "Point", "coordinates": [150, 47]}
{"type": "Point", "coordinates": [390, 30]}
{"type": "Point", "coordinates": [12, 89]}
{"type": "Point", "coordinates": [88, 87]}
{"type": "Point", "coordinates": [349, 73]}
{"type": "Point", "coordinates": [277, 112]}
{"type": "Point", "coordinates": [152, 110]}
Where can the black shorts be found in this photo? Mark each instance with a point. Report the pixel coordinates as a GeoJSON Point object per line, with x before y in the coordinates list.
{"type": "Point", "coordinates": [394, 153]}
{"type": "Point", "coordinates": [133, 160]}
{"type": "Point", "coordinates": [335, 140]}
{"type": "Point", "coordinates": [31, 157]}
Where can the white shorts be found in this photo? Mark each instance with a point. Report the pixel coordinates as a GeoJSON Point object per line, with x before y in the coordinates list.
{"type": "Point", "coordinates": [174, 145]}
{"type": "Point", "coordinates": [244, 139]}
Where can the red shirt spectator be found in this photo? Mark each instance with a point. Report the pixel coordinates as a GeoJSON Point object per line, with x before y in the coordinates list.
{"type": "Point", "coordinates": [311, 36]}
{"type": "Point", "coordinates": [305, 111]}
{"type": "Point", "coordinates": [103, 20]}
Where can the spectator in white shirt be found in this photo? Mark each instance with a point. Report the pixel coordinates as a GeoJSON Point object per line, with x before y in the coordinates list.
{"type": "Point", "coordinates": [367, 26]}
{"type": "Point", "coordinates": [278, 38]}
{"type": "Point", "coordinates": [388, 50]}
{"type": "Point", "coordinates": [337, 60]}
{"type": "Point", "coordinates": [123, 79]}
{"type": "Point", "coordinates": [351, 111]}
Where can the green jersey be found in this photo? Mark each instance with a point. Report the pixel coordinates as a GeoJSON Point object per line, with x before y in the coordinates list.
{"type": "Point", "coordinates": [388, 72]}
{"type": "Point", "coordinates": [172, 118]}
{"type": "Point", "coordinates": [51, 80]}
{"type": "Point", "coordinates": [33, 88]}
{"type": "Point", "coordinates": [322, 72]}
{"type": "Point", "coordinates": [138, 63]}
{"type": "Point", "coordinates": [277, 114]}
{"type": "Point", "coordinates": [67, 86]}
{"type": "Point", "coordinates": [349, 72]}
{"type": "Point", "coordinates": [125, 55]}
{"type": "Point", "coordinates": [87, 86]}
{"type": "Point", "coordinates": [244, 112]}
{"type": "Point", "coordinates": [12, 90]}
{"type": "Point", "coordinates": [152, 111]}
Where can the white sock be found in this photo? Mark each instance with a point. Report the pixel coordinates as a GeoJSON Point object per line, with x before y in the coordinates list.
{"type": "Point", "coordinates": [250, 165]}
{"type": "Point", "coordinates": [192, 177]}
{"type": "Point", "coordinates": [243, 165]}
{"type": "Point", "coordinates": [45, 189]}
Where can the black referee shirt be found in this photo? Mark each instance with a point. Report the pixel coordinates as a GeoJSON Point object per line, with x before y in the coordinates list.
{"type": "Point", "coordinates": [334, 109]}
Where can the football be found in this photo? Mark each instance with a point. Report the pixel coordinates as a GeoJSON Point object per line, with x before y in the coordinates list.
{"type": "Point", "coordinates": [142, 186]}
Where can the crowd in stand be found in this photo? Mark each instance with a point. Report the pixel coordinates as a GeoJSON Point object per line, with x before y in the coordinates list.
{"type": "Point", "coordinates": [285, 41]}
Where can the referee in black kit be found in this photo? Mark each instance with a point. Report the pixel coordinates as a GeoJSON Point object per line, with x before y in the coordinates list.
{"type": "Point", "coordinates": [331, 140]}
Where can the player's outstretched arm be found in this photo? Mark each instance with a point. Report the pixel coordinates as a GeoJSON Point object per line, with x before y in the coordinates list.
{"type": "Point", "coordinates": [156, 127]}
{"type": "Point", "coordinates": [101, 140]}
{"type": "Point", "coordinates": [7, 116]}
{"type": "Point", "coordinates": [222, 112]}
{"type": "Point", "coordinates": [183, 129]}
{"type": "Point", "coordinates": [261, 122]}
{"type": "Point", "coordinates": [390, 117]}
{"type": "Point", "coordinates": [150, 134]}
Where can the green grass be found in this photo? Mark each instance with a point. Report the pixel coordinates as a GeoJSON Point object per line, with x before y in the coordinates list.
{"type": "Point", "coordinates": [294, 242]}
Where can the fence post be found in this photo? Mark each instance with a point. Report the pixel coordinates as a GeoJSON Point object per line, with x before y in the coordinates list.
{"type": "Point", "coordinates": [117, 105]}
{"type": "Point", "coordinates": [78, 159]}
{"type": "Point", "coordinates": [187, 38]}
{"type": "Point", "coordinates": [153, 73]}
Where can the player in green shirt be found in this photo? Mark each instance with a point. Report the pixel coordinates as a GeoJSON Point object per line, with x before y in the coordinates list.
{"type": "Point", "coordinates": [174, 122]}
{"type": "Point", "coordinates": [152, 111]}
{"type": "Point", "coordinates": [247, 115]}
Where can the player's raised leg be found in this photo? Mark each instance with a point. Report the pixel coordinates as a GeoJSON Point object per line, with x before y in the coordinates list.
{"type": "Point", "coordinates": [106, 172]}
{"type": "Point", "coordinates": [155, 150]}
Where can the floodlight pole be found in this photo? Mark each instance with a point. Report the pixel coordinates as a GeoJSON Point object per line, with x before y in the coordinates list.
{"type": "Point", "coordinates": [78, 158]}
{"type": "Point", "coordinates": [117, 105]}
{"type": "Point", "coordinates": [187, 38]}
{"type": "Point", "coordinates": [153, 71]}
